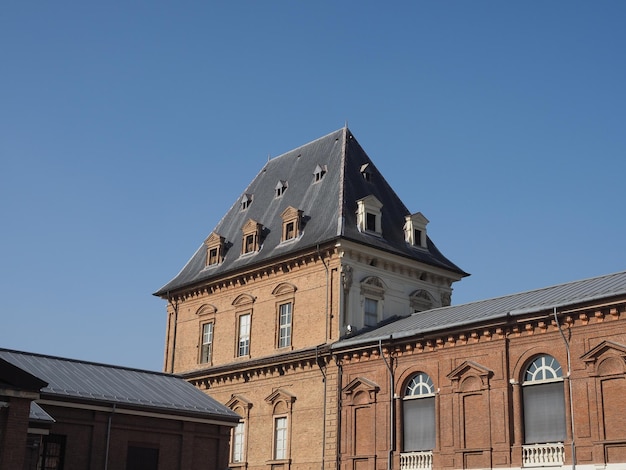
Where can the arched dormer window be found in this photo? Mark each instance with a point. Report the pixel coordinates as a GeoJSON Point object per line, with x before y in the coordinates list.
{"type": "Point", "coordinates": [418, 406]}
{"type": "Point", "coordinates": [246, 200]}
{"type": "Point", "coordinates": [366, 172]}
{"type": "Point", "coordinates": [421, 300]}
{"type": "Point", "coordinates": [544, 401]}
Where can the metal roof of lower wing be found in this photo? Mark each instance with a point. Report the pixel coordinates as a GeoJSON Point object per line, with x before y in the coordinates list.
{"type": "Point", "coordinates": [455, 316]}
{"type": "Point", "coordinates": [133, 388]}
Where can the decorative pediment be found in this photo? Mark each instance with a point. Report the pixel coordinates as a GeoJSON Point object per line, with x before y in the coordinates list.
{"type": "Point", "coordinates": [243, 299]}
{"type": "Point", "coordinates": [251, 226]}
{"type": "Point", "coordinates": [470, 376]}
{"type": "Point", "coordinates": [359, 387]}
{"type": "Point", "coordinates": [421, 300]}
{"type": "Point", "coordinates": [280, 400]}
{"type": "Point", "coordinates": [284, 288]}
{"type": "Point", "coordinates": [237, 401]}
{"type": "Point", "coordinates": [373, 285]}
{"type": "Point", "coordinates": [206, 309]}
{"type": "Point", "coordinates": [607, 358]}
{"type": "Point", "coordinates": [214, 239]}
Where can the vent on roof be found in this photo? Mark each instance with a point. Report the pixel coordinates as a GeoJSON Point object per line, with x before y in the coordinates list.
{"type": "Point", "coordinates": [280, 188]}
{"type": "Point", "coordinates": [246, 200]}
{"type": "Point", "coordinates": [366, 172]}
{"type": "Point", "coordinates": [320, 171]}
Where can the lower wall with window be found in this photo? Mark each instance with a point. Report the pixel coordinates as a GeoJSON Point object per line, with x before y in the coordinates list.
{"type": "Point", "coordinates": [490, 397]}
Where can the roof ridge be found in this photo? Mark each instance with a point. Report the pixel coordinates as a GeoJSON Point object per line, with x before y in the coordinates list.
{"type": "Point", "coordinates": [293, 150]}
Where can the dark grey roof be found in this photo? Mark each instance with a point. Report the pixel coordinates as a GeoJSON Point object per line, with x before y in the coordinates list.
{"type": "Point", "coordinates": [329, 210]}
{"type": "Point", "coordinates": [70, 379]}
{"type": "Point", "coordinates": [440, 319]}
{"type": "Point", "coordinates": [38, 414]}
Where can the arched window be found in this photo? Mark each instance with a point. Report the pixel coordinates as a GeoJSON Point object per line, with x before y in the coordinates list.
{"type": "Point", "coordinates": [419, 413]}
{"type": "Point", "coordinates": [544, 401]}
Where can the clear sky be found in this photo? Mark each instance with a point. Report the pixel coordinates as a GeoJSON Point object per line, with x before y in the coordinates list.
{"type": "Point", "coordinates": [127, 129]}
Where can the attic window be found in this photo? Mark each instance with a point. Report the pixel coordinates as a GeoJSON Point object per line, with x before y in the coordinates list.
{"type": "Point", "coordinates": [369, 215]}
{"type": "Point", "coordinates": [251, 237]}
{"type": "Point", "coordinates": [246, 200]}
{"type": "Point", "coordinates": [366, 172]}
{"type": "Point", "coordinates": [292, 223]}
{"type": "Point", "coordinates": [215, 249]}
{"type": "Point", "coordinates": [319, 172]}
{"type": "Point", "coordinates": [415, 230]}
{"type": "Point", "coordinates": [280, 188]}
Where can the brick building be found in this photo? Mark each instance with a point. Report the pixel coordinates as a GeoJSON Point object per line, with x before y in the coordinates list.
{"type": "Point", "coordinates": [318, 310]}
{"type": "Point", "coordinates": [536, 379]}
{"type": "Point", "coordinates": [317, 246]}
{"type": "Point", "coordinates": [58, 414]}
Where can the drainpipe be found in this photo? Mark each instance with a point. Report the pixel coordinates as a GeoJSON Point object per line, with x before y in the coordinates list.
{"type": "Point", "coordinates": [106, 453]}
{"type": "Point", "coordinates": [175, 307]}
{"type": "Point", "coordinates": [569, 382]}
{"type": "Point", "coordinates": [392, 423]}
{"type": "Point", "coordinates": [327, 320]}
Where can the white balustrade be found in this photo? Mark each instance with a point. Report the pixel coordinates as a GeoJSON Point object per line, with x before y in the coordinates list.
{"type": "Point", "coordinates": [543, 455]}
{"type": "Point", "coordinates": [416, 460]}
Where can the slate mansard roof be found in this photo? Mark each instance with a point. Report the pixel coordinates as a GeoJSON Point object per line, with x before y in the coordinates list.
{"type": "Point", "coordinates": [329, 210]}
{"type": "Point", "coordinates": [99, 384]}
{"type": "Point", "coordinates": [474, 313]}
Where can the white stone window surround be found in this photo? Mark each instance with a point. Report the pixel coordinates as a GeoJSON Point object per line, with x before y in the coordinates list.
{"type": "Point", "coordinates": [371, 206]}
{"type": "Point", "coordinates": [415, 230]}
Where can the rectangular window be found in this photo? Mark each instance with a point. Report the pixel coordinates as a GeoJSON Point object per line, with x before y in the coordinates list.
{"type": "Point", "coordinates": [417, 234]}
{"type": "Point", "coordinates": [244, 335]}
{"type": "Point", "coordinates": [53, 453]}
{"type": "Point", "coordinates": [238, 434]}
{"type": "Point", "coordinates": [145, 458]}
{"type": "Point", "coordinates": [249, 244]}
{"type": "Point", "coordinates": [371, 312]}
{"type": "Point", "coordinates": [280, 438]}
{"type": "Point", "coordinates": [290, 231]}
{"type": "Point", "coordinates": [419, 424]}
{"type": "Point", "coordinates": [213, 256]}
{"type": "Point", "coordinates": [544, 413]}
{"type": "Point", "coordinates": [284, 332]}
{"type": "Point", "coordinates": [370, 222]}
{"type": "Point", "coordinates": [207, 343]}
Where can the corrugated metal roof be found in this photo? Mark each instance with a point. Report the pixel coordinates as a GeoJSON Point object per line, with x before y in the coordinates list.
{"type": "Point", "coordinates": [37, 413]}
{"type": "Point", "coordinates": [329, 210]}
{"type": "Point", "coordinates": [440, 319]}
{"type": "Point", "coordinates": [132, 388]}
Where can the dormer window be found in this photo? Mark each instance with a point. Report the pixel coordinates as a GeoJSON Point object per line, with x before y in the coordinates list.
{"type": "Point", "coordinates": [280, 188]}
{"type": "Point", "coordinates": [369, 215]}
{"type": "Point", "coordinates": [319, 172]}
{"type": "Point", "coordinates": [251, 237]}
{"type": "Point", "coordinates": [246, 200]}
{"type": "Point", "coordinates": [415, 230]}
{"type": "Point", "coordinates": [292, 223]}
{"type": "Point", "coordinates": [366, 172]}
{"type": "Point", "coordinates": [215, 249]}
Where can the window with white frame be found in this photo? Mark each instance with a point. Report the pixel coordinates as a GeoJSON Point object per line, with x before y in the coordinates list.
{"type": "Point", "coordinates": [280, 438]}
{"type": "Point", "coordinates": [418, 408]}
{"type": "Point", "coordinates": [284, 324]}
{"type": "Point", "coordinates": [238, 443]}
{"type": "Point", "coordinates": [415, 229]}
{"type": "Point", "coordinates": [206, 348]}
{"type": "Point", "coordinates": [243, 347]}
{"type": "Point", "coordinates": [370, 309]}
{"type": "Point", "coordinates": [543, 401]}
{"type": "Point", "coordinates": [369, 215]}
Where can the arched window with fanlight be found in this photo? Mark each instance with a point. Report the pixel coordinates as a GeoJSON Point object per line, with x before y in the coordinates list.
{"type": "Point", "coordinates": [544, 401]}
{"type": "Point", "coordinates": [418, 414]}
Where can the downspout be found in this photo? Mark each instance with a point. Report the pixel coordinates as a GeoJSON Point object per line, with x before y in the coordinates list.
{"type": "Point", "coordinates": [569, 382]}
{"type": "Point", "coordinates": [392, 424]}
{"type": "Point", "coordinates": [327, 320]}
{"type": "Point", "coordinates": [108, 440]}
{"type": "Point", "coordinates": [175, 307]}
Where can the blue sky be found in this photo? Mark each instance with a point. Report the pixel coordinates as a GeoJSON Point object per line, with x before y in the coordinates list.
{"type": "Point", "coordinates": [127, 129]}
